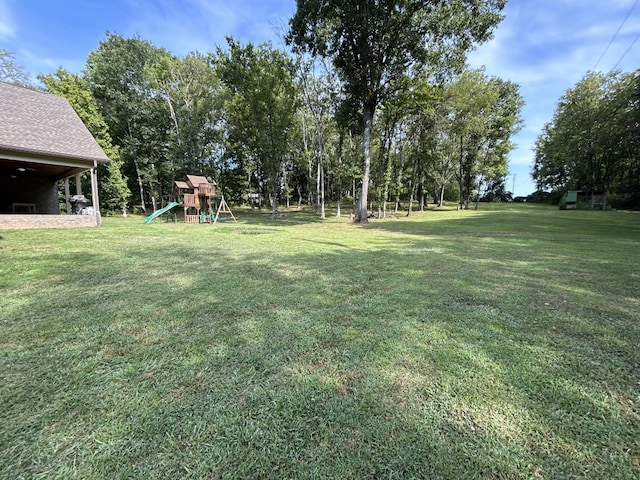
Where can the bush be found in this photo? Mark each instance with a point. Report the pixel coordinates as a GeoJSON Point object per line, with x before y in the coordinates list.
{"type": "Point", "coordinates": [541, 196]}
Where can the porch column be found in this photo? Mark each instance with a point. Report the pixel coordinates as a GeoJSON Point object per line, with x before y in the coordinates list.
{"type": "Point", "coordinates": [94, 192]}
{"type": "Point", "coordinates": [78, 184]}
{"type": "Point", "coordinates": [67, 195]}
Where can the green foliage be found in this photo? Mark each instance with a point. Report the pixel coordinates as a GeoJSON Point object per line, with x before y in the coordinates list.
{"type": "Point", "coordinates": [113, 186]}
{"type": "Point", "coordinates": [244, 118]}
{"type": "Point", "coordinates": [458, 130]}
{"type": "Point", "coordinates": [320, 143]}
{"type": "Point", "coordinates": [497, 192]}
{"type": "Point", "coordinates": [591, 143]}
{"type": "Point", "coordinates": [118, 72]}
{"type": "Point", "coordinates": [260, 109]}
{"type": "Point", "coordinates": [114, 192]}
{"type": "Point", "coordinates": [540, 196]}
{"type": "Point", "coordinates": [193, 99]}
{"type": "Point", "coordinates": [11, 71]}
{"type": "Point", "coordinates": [485, 114]}
{"type": "Point", "coordinates": [372, 44]}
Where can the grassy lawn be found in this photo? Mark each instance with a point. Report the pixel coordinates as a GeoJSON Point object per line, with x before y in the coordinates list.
{"type": "Point", "coordinates": [502, 343]}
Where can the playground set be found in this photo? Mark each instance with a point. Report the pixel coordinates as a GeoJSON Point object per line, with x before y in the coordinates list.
{"type": "Point", "coordinates": [196, 196]}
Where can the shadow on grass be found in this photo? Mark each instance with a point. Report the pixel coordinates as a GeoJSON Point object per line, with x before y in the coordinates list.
{"type": "Point", "coordinates": [416, 357]}
{"type": "Point", "coordinates": [518, 220]}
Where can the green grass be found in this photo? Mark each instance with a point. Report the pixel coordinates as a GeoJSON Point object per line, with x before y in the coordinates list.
{"type": "Point", "coordinates": [502, 343]}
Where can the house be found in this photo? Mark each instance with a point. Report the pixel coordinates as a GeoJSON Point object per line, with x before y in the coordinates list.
{"type": "Point", "coordinates": [43, 142]}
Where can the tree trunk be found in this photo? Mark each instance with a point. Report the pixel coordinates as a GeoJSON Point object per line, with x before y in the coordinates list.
{"type": "Point", "coordinates": [353, 194]}
{"type": "Point", "coordinates": [274, 198]}
{"type": "Point", "coordinates": [174, 118]}
{"type": "Point", "coordinates": [322, 212]}
{"type": "Point", "coordinates": [387, 181]}
{"type": "Point", "coordinates": [317, 187]}
{"type": "Point", "coordinates": [320, 177]}
{"type": "Point", "coordinates": [461, 176]}
{"type": "Point", "coordinates": [410, 209]}
{"type": "Point", "coordinates": [285, 178]}
{"type": "Point", "coordinates": [413, 187]}
{"type": "Point", "coordinates": [339, 174]}
{"type": "Point", "coordinates": [142, 205]}
{"type": "Point", "coordinates": [362, 213]}
{"type": "Point", "coordinates": [480, 182]}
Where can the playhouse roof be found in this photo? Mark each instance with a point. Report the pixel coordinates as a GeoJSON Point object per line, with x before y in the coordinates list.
{"type": "Point", "coordinates": [195, 180]}
{"type": "Point", "coordinates": [37, 123]}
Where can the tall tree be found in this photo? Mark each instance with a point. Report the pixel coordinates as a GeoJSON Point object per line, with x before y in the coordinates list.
{"type": "Point", "coordinates": [373, 42]}
{"type": "Point", "coordinates": [485, 114]}
{"type": "Point", "coordinates": [118, 71]}
{"type": "Point", "coordinates": [192, 95]}
{"type": "Point", "coordinates": [442, 160]}
{"type": "Point", "coordinates": [504, 120]}
{"type": "Point", "coordinates": [11, 71]}
{"type": "Point", "coordinates": [77, 91]}
{"type": "Point", "coordinates": [261, 108]}
{"type": "Point", "coordinates": [592, 142]}
{"type": "Point", "coordinates": [318, 94]}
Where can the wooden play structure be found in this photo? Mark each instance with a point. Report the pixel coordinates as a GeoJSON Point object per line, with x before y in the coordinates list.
{"type": "Point", "coordinates": [196, 195]}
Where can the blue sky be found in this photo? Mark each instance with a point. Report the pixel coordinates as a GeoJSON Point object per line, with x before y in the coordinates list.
{"type": "Point", "coordinates": [546, 46]}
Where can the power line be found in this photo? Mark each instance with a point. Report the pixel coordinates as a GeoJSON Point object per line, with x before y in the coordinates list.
{"type": "Point", "coordinates": [628, 50]}
{"type": "Point", "coordinates": [614, 37]}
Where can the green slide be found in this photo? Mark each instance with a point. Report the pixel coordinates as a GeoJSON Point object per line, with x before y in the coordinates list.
{"type": "Point", "coordinates": [157, 213]}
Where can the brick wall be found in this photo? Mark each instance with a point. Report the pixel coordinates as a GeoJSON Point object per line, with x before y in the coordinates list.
{"type": "Point", "coordinates": [39, 191]}
{"type": "Point", "coordinates": [8, 222]}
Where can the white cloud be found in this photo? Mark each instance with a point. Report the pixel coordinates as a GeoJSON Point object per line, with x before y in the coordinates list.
{"type": "Point", "coordinates": [39, 64]}
{"type": "Point", "coordinates": [182, 27]}
{"type": "Point", "coordinates": [546, 47]}
{"type": "Point", "coordinates": [7, 29]}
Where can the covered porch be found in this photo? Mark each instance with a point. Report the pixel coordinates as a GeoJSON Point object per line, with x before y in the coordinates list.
{"type": "Point", "coordinates": [43, 142]}
{"type": "Point", "coordinates": [29, 192]}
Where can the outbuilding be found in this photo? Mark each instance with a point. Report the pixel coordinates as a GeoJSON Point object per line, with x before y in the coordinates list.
{"type": "Point", "coordinates": [579, 199]}
{"type": "Point", "coordinates": [43, 142]}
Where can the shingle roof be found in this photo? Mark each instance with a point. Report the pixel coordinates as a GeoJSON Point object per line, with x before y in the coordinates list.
{"type": "Point", "coordinates": [195, 180]}
{"type": "Point", "coordinates": [41, 123]}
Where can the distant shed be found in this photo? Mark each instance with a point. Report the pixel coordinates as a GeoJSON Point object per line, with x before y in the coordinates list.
{"type": "Point", "coordinates": [585, 200]}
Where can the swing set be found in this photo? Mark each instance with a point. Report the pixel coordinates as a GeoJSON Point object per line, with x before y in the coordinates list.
{"type": "Point", "coordinates": [196, 195]}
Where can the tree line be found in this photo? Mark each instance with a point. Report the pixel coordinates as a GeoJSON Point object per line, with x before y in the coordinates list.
{"type": "Point", "coordinates": [593, 141]}
{"type": "Point", "coordinates": [371, 107]}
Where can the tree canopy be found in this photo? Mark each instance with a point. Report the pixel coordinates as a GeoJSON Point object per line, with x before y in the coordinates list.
{"type": "Point", "coordinates": [592, 142]}
{"type": "Point", "coordinates": [373, 43]}
{"type": "Point", "coordinates": [11, 71]}
{"type": "Point", "coordinates": [265, 123]}
{"type": "Point", "coordinates": [115, 192]}
{"type": "Point", "coordinates": [260, 109]}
